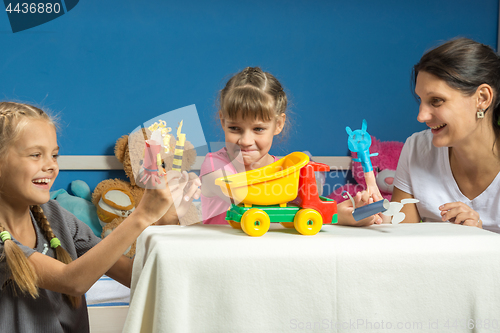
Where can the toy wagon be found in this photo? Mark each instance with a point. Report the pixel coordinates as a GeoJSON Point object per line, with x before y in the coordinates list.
{"type": "Point", "coordinates": [284, 192]}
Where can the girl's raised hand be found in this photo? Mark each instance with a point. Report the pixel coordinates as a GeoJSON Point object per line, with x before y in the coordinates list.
{"type": "Point", "coordinates": [184, 187]}
{"type": "Point", "coordinates": [158, 199]}
{"type": "Point", "coordinates": [460, 213]}
{"type": "Point", "coordinates": [190, 190]}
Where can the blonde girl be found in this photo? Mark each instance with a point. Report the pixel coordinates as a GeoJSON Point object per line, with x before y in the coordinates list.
{"type": "Point", "coordinates": [252, 111]}
{"type": "Point", "coordinates": [48, 258]}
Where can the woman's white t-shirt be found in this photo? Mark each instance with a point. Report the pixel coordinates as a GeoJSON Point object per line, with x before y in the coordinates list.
{"type": "Point", "coordinates": [424, 171]}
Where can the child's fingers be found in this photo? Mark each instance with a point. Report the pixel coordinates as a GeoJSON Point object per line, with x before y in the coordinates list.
{"type": "Point", "coordinates": [345, 210]}
{"type": "Point", "coordinates": [376, 196]}
{"type": "Point", "coordinates": [374, 219]}
{"type": "Point", "coordinates": [177, 180]}
{"type": "Point", "coordinates": [361, 198]}
{"type": "Point", "coordinates": [378, 218]}
{"type": "Point", "coordinates": [385, 218]}
{"type": "Point", "coordinates": [173, 175]}
{"type": "Point", "coordinates": [370, 179]}
{"type": "Point", "coordinates": [371, 185]}
{"type": "Point", "coordinates": [185, 176]}
{"type": "Point", "coordinates": [191, 191]}
{"type": "Point", "coordinates": [193, 177]}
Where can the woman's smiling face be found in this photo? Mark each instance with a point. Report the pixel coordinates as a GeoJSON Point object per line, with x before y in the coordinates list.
{"type": "Point", "coordinates": [449, 114]}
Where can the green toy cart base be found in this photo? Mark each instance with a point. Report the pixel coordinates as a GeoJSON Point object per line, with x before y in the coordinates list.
{"type": "Point", "coordinates": [256, 220]}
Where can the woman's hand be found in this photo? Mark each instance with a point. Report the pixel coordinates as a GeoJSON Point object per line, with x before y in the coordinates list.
{"type": "Point", "coordinates": [460, 213]}
{"type": "Point", "coordinates": [184, 187]}
{"type": "Point", "coordinates": [345, 210]}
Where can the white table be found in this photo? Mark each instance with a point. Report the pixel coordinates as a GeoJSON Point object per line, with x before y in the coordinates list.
{"type": "Point", "coordinates": [435, 277]}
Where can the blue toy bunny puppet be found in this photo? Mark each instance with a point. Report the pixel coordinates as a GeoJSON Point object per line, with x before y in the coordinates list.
{"type": "Point", "coordinates": [359, 142]}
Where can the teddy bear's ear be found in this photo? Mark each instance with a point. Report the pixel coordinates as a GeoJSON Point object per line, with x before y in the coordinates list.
{"type": "Point", "coordinates": [133, 154]}
{"type": "Point", "coordinates": [121, 148]}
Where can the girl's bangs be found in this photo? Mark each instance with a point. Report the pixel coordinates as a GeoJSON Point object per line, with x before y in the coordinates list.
{"type": "Point", "coordinates": [248, 103]}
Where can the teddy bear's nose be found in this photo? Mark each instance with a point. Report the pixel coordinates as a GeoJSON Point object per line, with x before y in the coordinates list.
{"type": "Point", "coordinates": [389, 180]}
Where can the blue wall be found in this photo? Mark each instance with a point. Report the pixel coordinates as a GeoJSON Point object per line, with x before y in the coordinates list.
{"type": "Point", "coordinates": [107, 66]}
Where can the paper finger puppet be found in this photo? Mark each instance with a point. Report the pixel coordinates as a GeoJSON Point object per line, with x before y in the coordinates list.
{"type": "Point", "coordinates": [150, 162]}
{"type": "Point", "coordinates": [164, 131]}
{"type": "Point", "coordinates": [395, 210]}
{"type": "Point", "coordinates": [179, 149]}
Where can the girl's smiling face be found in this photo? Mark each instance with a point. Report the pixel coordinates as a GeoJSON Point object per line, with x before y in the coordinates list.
{"type": "Point", "coordinates": [447, 111]}
{"type": "Point", "coordinates": [251, 139]}
{"type": "Point", "coordinates": [29, 169]}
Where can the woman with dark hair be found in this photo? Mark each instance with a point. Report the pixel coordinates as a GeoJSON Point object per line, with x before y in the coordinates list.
{"type": "Point", "coordinates": [453, 166]}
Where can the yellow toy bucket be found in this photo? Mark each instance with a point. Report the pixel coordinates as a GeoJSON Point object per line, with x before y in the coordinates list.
{"type": "Point", "coordinates": [273, 184]}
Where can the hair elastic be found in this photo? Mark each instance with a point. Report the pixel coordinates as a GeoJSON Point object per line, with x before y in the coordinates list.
{"type": "Point", "coordinates": [55, 242]}
{"type": "Point", "coordinates": [5, 235]}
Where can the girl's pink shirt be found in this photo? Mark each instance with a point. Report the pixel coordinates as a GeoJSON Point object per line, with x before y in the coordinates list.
{"type": "Point", "coordinates": [214, 208]}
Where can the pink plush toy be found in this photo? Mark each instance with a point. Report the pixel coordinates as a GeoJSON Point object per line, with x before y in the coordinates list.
{"type": "Point", "coordinates": [384, 167]}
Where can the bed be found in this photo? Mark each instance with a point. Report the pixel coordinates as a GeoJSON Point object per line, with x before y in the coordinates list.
{"type": "Point", "coordinates": [107, 302]}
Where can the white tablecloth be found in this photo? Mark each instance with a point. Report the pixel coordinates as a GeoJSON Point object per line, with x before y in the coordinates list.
{"type": "Point", "coordinates": [436, 277]}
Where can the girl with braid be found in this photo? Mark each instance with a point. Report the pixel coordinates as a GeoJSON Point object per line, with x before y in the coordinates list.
{"type": "Point", "coordinates": [252, 111]}
{"type": "Point", "coordinates": [48, 258]}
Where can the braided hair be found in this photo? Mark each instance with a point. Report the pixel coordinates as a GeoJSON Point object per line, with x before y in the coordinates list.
{"type": "Point", "coordinates": [13, 118]}
{"type": "Point", "coordinates": [252, 93]}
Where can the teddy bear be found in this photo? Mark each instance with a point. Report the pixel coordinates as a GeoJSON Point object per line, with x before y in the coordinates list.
{"type": "Point", "coordinates": [384, 168]}
{"type": "Point", "coordinates": [115, 199]}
